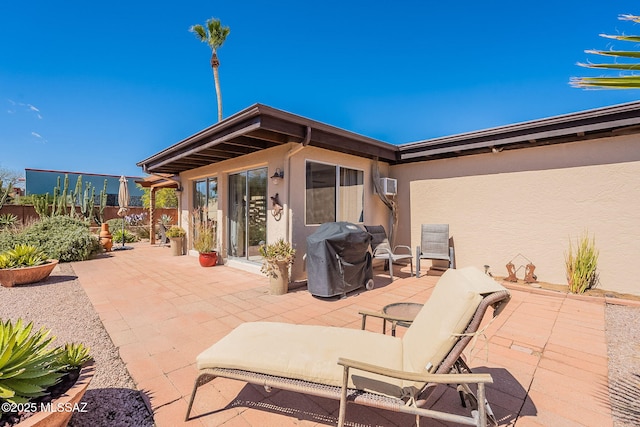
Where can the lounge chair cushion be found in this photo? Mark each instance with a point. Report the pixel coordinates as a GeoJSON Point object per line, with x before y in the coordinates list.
{"type": "Point", "coordinates": [310, 353]}
{"type": "Point", "coordinates": [448, 311]}
{"type": "Point", "coordinates": [307, 352]}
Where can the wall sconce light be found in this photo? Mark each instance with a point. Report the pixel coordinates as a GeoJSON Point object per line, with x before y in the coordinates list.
{"type": "Point", "coordinates": [277, 176]}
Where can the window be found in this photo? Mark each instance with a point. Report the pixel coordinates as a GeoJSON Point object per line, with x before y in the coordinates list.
{"type": "Point", "coordinates": [206, 197]}
{"type": "Point", "coordinates": [205, 200]}
{"type": "Point", "coordinates": [333, 193]}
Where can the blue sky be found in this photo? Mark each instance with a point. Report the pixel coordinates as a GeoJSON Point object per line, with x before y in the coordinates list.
{"type": "Point", "coordinates": [98, 86]}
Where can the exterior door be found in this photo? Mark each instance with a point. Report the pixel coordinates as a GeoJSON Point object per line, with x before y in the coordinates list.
{"type": "Point", "coordinates": [247, 213]}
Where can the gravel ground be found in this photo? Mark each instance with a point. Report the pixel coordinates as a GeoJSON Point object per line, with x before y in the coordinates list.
{"type": "Point", "coordinates": [60, 304]}
{"type": "Point", "coordinates": [623, 346]}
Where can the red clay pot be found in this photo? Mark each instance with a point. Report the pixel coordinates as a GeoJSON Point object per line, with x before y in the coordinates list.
{"type": "Point", "coordinates": [208, 259]}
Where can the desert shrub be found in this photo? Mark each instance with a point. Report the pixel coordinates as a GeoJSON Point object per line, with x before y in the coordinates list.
{"type": "Point", "coordinates": [128, 236]}
{"type": "Point", "coordinates": [142, 232]}
{"type": "Point", "coordinates": [9, 238]}
{"type": "Point", "coordinates": [61, 237]}
{"type": "Point", "coordinates": [115, 224]}
{"type": "Point", "coordinates": [581, 265]}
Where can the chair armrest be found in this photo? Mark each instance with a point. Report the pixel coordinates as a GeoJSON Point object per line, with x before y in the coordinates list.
{"type": "Point", "coordinates": [382, 251]}
{"type": "Point", "coordinates": [403, 247]}
{"type": "Point", "coordinates": [381, 315]}
{"type": "Point", "coordinates": [417, 376]}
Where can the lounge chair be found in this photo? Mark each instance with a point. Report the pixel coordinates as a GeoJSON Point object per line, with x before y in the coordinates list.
{"type": "Point", "coordinates": [434, 245]}
{"type": "Point", "coordinates": [382, 248]}
{"type": "Point", "coordinates": [365, 367]}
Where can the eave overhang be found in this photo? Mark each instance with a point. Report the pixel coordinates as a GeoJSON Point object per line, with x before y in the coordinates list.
{"type": "Point", "coordinates": [591, 124]}
{"type": "Point", "coordinates": [256, 128]}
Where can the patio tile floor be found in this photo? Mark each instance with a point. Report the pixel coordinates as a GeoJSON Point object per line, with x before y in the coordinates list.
{"type": "Point", "coordinates": [546, 352]}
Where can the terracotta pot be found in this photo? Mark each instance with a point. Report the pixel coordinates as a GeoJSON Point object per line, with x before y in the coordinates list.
{"type": "Point", "coordinates": [62, 408]}
{"type": "Point", "coordinates": [24, 275]}
{"type": "Point", "coordinates": [208, 259]}
{"type": "Point", "coordinates": [106, 237]}
{"type": "Point", "coordinates": [279, 285]}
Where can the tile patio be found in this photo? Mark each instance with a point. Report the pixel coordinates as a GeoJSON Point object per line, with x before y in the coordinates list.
{"type": "Point", "coordinates": [547, 352]}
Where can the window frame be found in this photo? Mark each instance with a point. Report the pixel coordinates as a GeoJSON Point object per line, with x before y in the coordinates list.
{"type": "Point", "coordinates": [337, 169]}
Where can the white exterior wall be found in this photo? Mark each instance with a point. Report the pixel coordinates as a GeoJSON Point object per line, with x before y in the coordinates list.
{"type": "Point", "coordinates": [532, 202]}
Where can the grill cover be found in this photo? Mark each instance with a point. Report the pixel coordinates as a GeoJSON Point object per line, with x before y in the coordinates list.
{"type": "Point", "coordinates": [338, 259]}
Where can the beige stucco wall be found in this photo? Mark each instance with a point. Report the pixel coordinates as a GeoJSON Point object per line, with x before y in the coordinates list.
{"type": "Point", "coordinates": [291, 159]}
{"type": "Point", "coordinates": [374, 210]}
{"type": "Point", "coordinates": [532, 202]}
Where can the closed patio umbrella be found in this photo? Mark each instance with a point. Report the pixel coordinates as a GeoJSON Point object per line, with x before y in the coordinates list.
{"type": "Point", "coordinates": [123, 203]}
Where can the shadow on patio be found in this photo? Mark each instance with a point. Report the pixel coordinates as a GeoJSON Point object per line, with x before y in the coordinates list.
{"type": "Point", "coordinates": [546, 352]}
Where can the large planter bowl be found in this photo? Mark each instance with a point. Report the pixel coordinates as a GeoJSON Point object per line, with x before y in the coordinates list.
{"type": "Point", "coordinates": [63, 407]}
{"type": "Point", "coordinates": [24, 275]}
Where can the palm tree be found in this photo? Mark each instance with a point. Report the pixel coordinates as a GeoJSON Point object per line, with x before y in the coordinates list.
{"type": "Point", "coordinates": [628, 80]}
{"type": "Point", "coordinates": [214, 34]}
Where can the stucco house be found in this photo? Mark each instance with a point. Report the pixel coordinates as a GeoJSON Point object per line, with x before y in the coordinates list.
{"type": "Point", "coordinates": [513, 193]}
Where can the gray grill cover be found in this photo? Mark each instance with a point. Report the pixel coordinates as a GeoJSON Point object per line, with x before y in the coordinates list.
{"type": "Point", "coordinates": [338, 259]}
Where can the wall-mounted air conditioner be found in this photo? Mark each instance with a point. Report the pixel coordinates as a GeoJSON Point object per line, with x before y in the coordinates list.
{"type": "Point", "coordinates": [389, 186]}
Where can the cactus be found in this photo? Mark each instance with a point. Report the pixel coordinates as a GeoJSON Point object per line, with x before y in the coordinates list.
{"type": "Point", "coordinates": [103, 203]}
{"type": "Point", "coordinates": [75, 198]}
{"type": "Point", "coordinates": [62, 202]}
{"type": "Point", "coordinates": [87, 202]}
{"type": "Point", "coordinates": [56, 193]}
{"type": "Point", "coordinates": [41, 205]}
{"type": "Point", "coordinates": [5, 194]}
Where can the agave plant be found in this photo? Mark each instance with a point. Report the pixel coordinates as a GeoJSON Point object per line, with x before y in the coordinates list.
{"type": "Point", "coordinates": [27, 366]}
{"type": "Point", "coordinates": [22, 256]}
{"type": "Point", "coordinates": [8, 220]}
{"type": "Point", "coordinates": [73, 356]}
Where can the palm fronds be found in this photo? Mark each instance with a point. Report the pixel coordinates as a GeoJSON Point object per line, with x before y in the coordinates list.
{"type": "Point", "coordinates": [627, 78]}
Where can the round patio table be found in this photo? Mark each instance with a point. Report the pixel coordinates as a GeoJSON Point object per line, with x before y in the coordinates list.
{"type": "Point", "coordinates": [406, 312]}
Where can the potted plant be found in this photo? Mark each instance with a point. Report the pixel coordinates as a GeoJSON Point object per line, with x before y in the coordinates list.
{"type": "Point", "coordinates": [204, 239]}
{"type": "Point", "coordinates": [24, 264]}
{"type": "Point", "coordinates": [277, 258]}
{"type": "Point", "coordinates": [40, 385]}
{"type": "Point", "coordinates": [176, 236]}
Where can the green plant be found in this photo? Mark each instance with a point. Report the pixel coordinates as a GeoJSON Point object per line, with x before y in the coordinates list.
{"type": "Point", "coordinates": [176, 231]}
{"type": "Point", "coordinates": [22, 256]}
{"type": "Point", "coordinates": [27, 366]}
{"type": "Point", "coordinates": [41, 205]}
{"type": "Point", "coordinates": [7, 220]}
{"type": "Point", "coordinates": [274, 253]}
{"type": "Point", "coordinates": [129, 237]}
{"type": "Point", "coordinates": [60, 237]}
{"type": "Point", "coordinates": [73, 356]}
{"type": "Point", "coordinates": [4, 194]}
{"type": "Point", "coordinates": [581, 266]}
{"type": "Point", "coordinates": [204, 239]}
{"type": "Point", "coordinates": [115, 224]}
{"type": "Point", "coordinates": [165, 220]}
{"type": "Point", "coordinates": [103, 204]}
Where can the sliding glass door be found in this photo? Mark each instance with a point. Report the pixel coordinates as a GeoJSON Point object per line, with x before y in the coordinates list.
{"type": "Point", "coordinates": [247, 213]}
